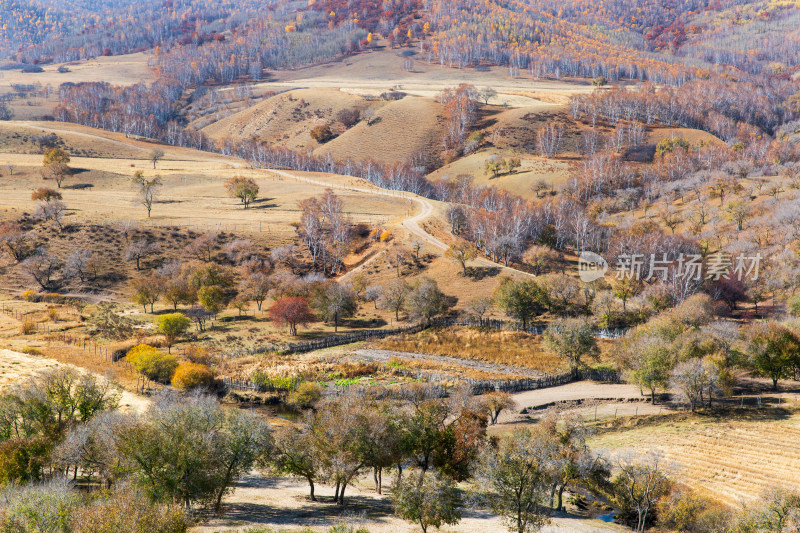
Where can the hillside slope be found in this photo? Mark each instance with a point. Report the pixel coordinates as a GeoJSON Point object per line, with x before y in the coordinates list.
{"type": "Point", "coordinates": [400, 130]}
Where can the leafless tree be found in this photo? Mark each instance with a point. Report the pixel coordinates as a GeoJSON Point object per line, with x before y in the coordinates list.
{"type": "Point", "coordinates": [203, 246]}
{"type": "Point", "coordinates": [14, 240]}
{"type": "Point", "coordinates": [479, 308]}
{"type": "Point", "coordinates": [239, 250]}
{"type": "Point", "coordinates": [156, 155]}
{"type": "Point", "coordinates": [548, 140]}
{"type": "Point", "coordinates": [642, 482]}
{"type": "Point", "coordinates": [373, 294]}
{"type": "Point", "coordinates": [54, 211]}
{"type": "Point", "coordinates": [141, 249]}
{"type": "Point", "coordinates": [41, 267]}
{"type": "Point", "coordinates": [78, 264]}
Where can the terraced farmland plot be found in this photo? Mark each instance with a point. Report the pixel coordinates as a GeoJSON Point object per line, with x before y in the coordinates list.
{"type": "Point", "coordinates": [732, 460]}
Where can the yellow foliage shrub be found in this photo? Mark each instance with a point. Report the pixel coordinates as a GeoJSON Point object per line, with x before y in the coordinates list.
{"type": "Point", "coordinates": [192, 375]}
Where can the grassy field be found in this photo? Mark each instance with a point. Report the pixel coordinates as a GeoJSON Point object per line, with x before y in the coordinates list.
{"type": "Point", "coordinates": [733, 456]}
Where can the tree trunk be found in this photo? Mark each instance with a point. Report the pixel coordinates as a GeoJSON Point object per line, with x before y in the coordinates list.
{"type": "Point", "coordinates": [311, 485]}
{"type": "Point", "coordinates": [336, 493]}
{"type": "Point", "coordinates": [560, 505]}
{"type": "Point", "coordinates": [341, 495]}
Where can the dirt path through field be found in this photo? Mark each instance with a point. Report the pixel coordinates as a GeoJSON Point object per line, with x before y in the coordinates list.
{"type": "Point", "coordinates": [411, 224]}
{"type": "Point", "coordinates": [386, 355]}
{"type": "Point", "coordinates": [419, 208]}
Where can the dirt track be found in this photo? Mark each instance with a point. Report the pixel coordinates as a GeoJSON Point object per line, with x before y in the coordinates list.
{"type": "Point", "coordinates": [15, 367]}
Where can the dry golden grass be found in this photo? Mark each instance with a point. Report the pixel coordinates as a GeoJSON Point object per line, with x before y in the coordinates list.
{"type": "Point", "coordinates": [554, 172]}
{"type": "Point", "coordinates": [193, 191]}
{"type": "Point", "coordinates": [499, 347]}
{"type": "Point", "coordinates": [117, 70]}
{"type": "Point", "coordinates": [286, 119]}
{"type": "Point", "coordinates": [382, 70]}
{"type": "Point", "coordinates": [400, 130]}
{"type": "Point", "coordinates": [733, 456]}
{"type": "Point", "coordinates": [693, 136]}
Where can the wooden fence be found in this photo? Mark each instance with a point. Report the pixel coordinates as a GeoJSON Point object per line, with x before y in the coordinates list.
{"type": "Point", "coordinates": [478, 386]}
{"type": "Point", "coordinates": [533, 329]}
{"type": "Point", "coordinates": [349, 338]}
{"type": "Point", "coordinates": [55, 335]}
{"type": "Point", "coordinates": [327, 342]}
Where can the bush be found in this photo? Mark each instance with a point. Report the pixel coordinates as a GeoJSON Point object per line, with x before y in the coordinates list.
{"type": "Point", "coordinates": [198, 354]}
{"type": "Point", "coordinates": [305, 396]}
{"type": "Point", "coordinates": [349, 117]}
{"type": "Point", "coordinates": [28, 328]}
{"type": "Point", "coordinates": [129, 512]}
{"type": "Point", "coordinates": [152, 363]}
{"type": "Point", "coordinates": [30, 296]}
{"type": "Point", "coordinates": [322, 134]}
{"type": "Point", "coordinates": [287, 383]}
{"type": "Point", "coordinates": [190, 376]}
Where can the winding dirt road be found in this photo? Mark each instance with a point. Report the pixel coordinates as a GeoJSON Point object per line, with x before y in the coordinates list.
{"type": "Point", "coordinates": [411, 224]}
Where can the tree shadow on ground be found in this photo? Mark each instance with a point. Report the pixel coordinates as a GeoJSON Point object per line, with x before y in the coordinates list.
{"type": "Point", "coordinates": [480, 273]}
{"type": "Point", "coordinates": [263, 203]}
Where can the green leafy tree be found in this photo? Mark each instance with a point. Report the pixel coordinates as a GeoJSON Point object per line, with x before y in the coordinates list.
{"type": "Point", "coordinates": [572, 339]}
{"type": "Point", "coordinates": [462, 252]}
{"type": "Point", "coordinates": [649, 361]}
{"type": "Point", "coordinates": [393, 296]}
{"type": "Point", "coordinates": [334, 302]}
{"type": "Point", "coordinates": [521, 300]}
{"type": "Point", "coordinates": [425, 301]}
{"type": "Point", "coordinates": [294, 453]}
{"type": "Point", "coordinates": [774, 351]}
{"type": "Point", "coordinates": [431, 500]}
{"type": "Point", "coordinates": [190, 451]}
{"type": "Point", "coordinates": [212, 298]}
{"type": "Point", "coordinates": [172, 326]}
{"type": "Point", "coordinates": [512, 481]}
{"type": "Point", "coordinates": [245, 189]}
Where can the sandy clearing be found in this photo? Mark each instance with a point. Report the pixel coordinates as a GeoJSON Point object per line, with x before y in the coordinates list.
{"type": "Point", "coordinates": [598, 401]}
{"type": "Point", "coordinates": [16, 367]}
{"type": "Point", "coordinates": [262, 502]}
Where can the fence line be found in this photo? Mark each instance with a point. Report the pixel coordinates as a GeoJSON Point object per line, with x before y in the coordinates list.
{"type": "Point", "coordinates": [336, 340]}
{"type": "Point", "coordinates": [81, 342]}
{"type": "Point", "coordinates": [349, 338]}
{"type": "Point", "coordinates": [478, 386]}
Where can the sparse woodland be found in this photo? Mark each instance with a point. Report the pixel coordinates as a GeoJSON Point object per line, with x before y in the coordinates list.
{"type": "Point", "coordinates": [681, 149]}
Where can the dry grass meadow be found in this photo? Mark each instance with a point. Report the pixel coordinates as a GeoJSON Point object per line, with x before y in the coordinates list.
{"type": "Point", "coordinates": [732, 456]}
